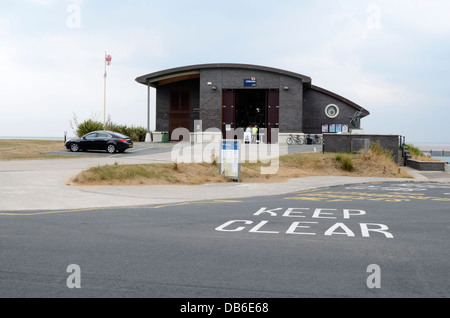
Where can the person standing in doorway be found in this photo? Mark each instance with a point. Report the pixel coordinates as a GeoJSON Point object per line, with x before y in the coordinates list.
{"type": "Point", "coordinates": [248, 135]}
{"type": "Point", "coordinates": [254, 134]}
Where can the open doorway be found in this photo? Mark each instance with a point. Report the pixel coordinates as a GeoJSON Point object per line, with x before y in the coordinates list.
{"type": "Point", "coordinates": [250, 108]}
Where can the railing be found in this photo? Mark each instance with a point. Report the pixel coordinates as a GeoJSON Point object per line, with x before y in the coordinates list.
{"type": "Point", "coordinates": [404, 149]}
{"type": "Point", "coordinates": [439, 153]}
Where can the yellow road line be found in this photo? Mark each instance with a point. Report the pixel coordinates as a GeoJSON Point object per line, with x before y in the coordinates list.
{"type": "Point", "coordinates": [99, 209]}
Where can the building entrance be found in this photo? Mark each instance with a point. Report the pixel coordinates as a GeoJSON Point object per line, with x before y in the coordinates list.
{"type": "Point", "coordinates": [249, 107]}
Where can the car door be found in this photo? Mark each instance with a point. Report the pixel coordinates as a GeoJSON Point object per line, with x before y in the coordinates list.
{"type": "Point", "coordinates": [102, 141]}
{"type": "Point", "coordinates": [88, 141]}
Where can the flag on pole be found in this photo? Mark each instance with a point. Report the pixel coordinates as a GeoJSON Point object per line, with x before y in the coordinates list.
{"type": "Point", "coordinates": [108, 59]}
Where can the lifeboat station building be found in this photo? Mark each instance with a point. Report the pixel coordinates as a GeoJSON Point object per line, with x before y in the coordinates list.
{"type": "Point", "coordinates": [232, 97]}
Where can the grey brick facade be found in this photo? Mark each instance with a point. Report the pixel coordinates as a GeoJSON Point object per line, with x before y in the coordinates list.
{"type": "Point", "coordinates": [301, 105]}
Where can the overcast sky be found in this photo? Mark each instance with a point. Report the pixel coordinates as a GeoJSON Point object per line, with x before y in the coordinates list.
{"type": "Point", "coordinates": [391, 57]}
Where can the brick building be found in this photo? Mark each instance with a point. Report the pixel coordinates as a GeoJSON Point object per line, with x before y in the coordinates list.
{"type": "Point", "coordinates": [233, 96]}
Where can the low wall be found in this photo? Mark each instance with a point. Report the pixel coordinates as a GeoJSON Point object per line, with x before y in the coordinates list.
{"type": "Point", "coordinates": [356, 142]}
{"type": "Point", "coordinates": [425, 165]}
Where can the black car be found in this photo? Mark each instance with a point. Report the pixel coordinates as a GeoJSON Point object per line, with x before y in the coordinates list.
{"type": "Point", "coordinates": [101, 140]}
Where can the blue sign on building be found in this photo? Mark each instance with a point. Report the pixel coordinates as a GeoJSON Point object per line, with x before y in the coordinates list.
{"type": "Point", "coordinates": [250, 82]}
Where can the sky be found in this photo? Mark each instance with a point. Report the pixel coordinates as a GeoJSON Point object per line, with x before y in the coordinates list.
{"type": "Point", "coordinates": [389, 56]}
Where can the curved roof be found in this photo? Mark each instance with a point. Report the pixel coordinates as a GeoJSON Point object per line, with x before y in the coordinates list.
{"type": "Point", "coordinates": [193, 71]}
{"type": "Point", "coordinates": [365, 112]}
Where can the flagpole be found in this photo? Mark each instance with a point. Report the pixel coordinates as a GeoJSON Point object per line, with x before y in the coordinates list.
{"type": "Point", "coordinates": [104, 99]}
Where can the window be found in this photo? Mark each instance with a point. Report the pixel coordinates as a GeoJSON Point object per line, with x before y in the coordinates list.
{"type": "Point", "coordinates": [332, 111]}
{"type": "Point", "coordinates": [92, 136]}
{"type": "Point", "coordinates": [103, 135]}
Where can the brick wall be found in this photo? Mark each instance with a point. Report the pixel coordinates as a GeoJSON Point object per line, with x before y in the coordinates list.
{"type": "Point", "coordinates": [426, 165]}
{"type": "Point", "coordinates": [291, 110]}
{"type": "Point", "coordinates": [344, 142]}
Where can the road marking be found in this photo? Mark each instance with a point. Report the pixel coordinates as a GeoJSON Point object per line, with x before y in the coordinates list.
{"type": "Point", "coordinates": [341, 196]}
{"type": "Point", "coordinates": [44, 213]}
{"type": "Point", "coordinates": [258, 226]}
{"type": "Point", "coordinates": [116, 208]}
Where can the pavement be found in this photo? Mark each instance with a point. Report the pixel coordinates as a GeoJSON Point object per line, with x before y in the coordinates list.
{"type": "Point", "coordinates": [45, 185]}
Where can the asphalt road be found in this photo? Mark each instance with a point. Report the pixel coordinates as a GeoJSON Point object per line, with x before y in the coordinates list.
{"type": "Point", "coordinates": [372, 240]}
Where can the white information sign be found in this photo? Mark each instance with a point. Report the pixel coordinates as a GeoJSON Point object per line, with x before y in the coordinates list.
{"type": "Point", "coordinates": [230, 159]}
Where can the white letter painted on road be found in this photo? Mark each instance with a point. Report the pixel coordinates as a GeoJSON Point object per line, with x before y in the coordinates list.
{"type": "Point", "coordinates": [222, 227]}
{"type": "Point", "coordinates": [381, 229]}
{"type": "Point", "coordinates": [347, 231]}
{"type": "Point", "coordinates": [348, 213]}
{"type": "Point", "coordinates": [318, 212]}
{"type": "Point", "coordinates": [291, 213]}
{"type": "Point", "coordinates": [265, 210]}
{"type": "Point", "coordinates": [257, 228]}
{"type": "Point", "coordinates": [296, 225]}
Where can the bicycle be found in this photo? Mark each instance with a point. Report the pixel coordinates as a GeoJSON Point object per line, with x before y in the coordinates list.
{"type": "Point", "coordinates": [315, 139]}
{"type": "Point", "coordinates": [297, 139]}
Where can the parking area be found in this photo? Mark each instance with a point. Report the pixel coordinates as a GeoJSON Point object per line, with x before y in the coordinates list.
{"type": "Point", "coordinates": [139, 149]}
{"type": "Point", "coordinates": [145, 149]}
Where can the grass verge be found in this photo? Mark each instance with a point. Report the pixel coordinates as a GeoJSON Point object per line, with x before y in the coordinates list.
{"type": "Point", "coordinates": [29, 149]}
{"type": "Point", "coordinates": [374, 163]}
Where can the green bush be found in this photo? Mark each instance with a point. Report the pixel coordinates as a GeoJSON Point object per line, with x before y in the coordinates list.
{"type": "Point", "coordinates": [414, 150]}
{"type": "Point", "coordinates": [88, 126]}
{"type": "Point", "coordinates": [347, 163]}
{"type": "Point", "coordinates": [136, 133]}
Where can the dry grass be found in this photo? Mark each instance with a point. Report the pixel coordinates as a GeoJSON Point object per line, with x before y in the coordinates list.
{"type": "Point", "coordinates": [423, 158]}
{"type": "Point", "coordinates": [372, 164]}
{"type": "Point", "coordinates": [151, 174]}
{"type": "Point", "coordinates": [29, 149]}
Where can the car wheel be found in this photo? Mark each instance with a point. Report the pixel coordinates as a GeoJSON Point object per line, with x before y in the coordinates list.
{"type": "Point", "coordinates": [74, 147]}
{"type": "Point", "coordinates": [111, 148]}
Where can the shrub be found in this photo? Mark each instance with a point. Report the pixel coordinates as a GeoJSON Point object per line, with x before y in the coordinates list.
{"type": "Point", "coordinates": [347, 163]}
{"type": "Point", "coordinates": [88, 126]}
{"type": "Point", "coordinates": [414, 150]}
{"type": "Point", "coordinates": [136, 133]}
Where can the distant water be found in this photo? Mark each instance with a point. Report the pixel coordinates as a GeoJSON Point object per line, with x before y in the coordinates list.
{"type": "Point", "coordinates": [426, 147]}
{"type": "Point", "coordinates": [443, 158]}
{"type": "Point", "coordinates": [437, 151]}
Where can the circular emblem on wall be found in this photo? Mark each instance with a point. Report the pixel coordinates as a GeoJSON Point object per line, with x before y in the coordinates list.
{"type": "Point", "coordinates": [332, 111]}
